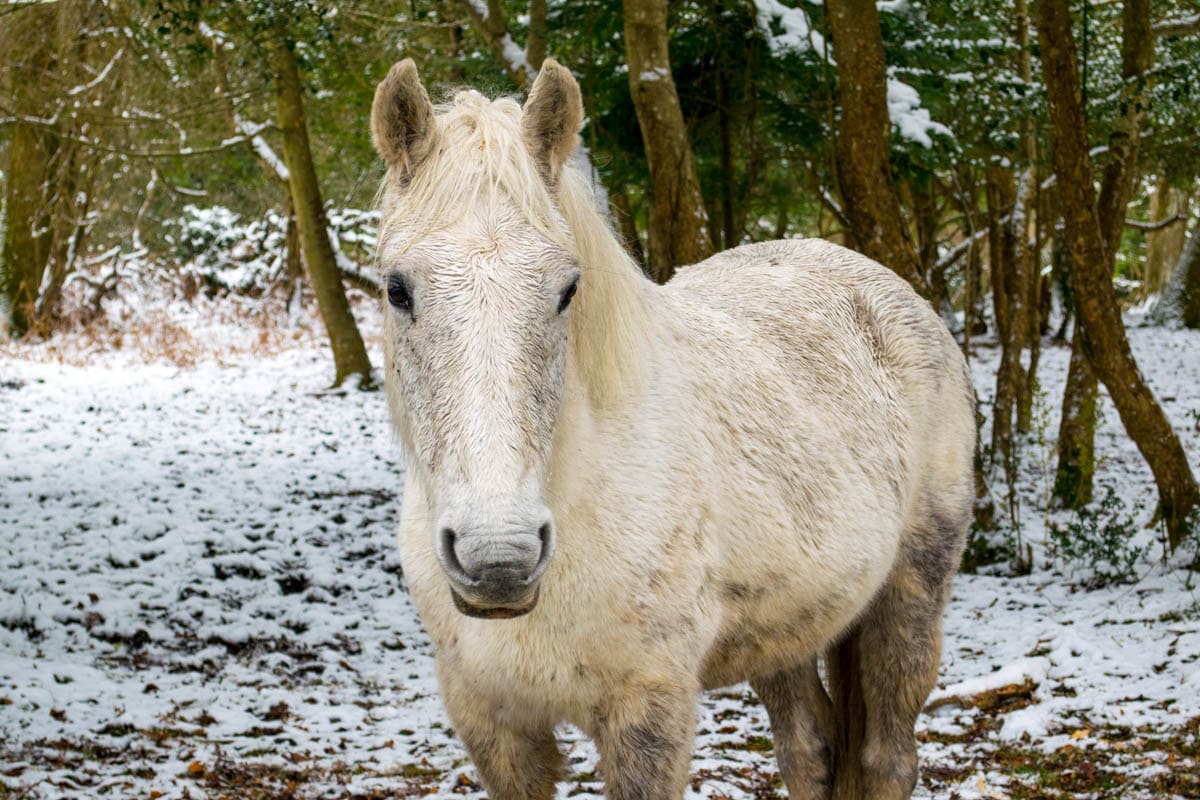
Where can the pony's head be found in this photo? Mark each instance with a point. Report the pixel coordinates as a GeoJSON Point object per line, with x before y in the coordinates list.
{"type": "Point", "coordinates": [480, 270]}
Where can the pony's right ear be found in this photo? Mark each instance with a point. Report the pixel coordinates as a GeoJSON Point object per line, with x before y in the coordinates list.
{"type": "Point", "coordinates": [402, 119]}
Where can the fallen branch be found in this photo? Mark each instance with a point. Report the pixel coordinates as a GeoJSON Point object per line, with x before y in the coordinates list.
{"type": "Point", "coordinates": [988, 699]}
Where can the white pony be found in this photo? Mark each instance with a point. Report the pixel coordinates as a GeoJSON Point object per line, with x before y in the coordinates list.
{"type": "Point", "coordinates": [620, 494]}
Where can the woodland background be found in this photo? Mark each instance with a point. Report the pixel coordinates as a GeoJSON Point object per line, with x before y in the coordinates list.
{"type": "Point", "coordinates": [128, 130]}
{"type": "Point", "coordinates": [1030, 167]}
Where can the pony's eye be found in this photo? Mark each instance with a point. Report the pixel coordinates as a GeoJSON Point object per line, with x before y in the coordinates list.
{"type": "Point", "coordinates": [567, 294]}
{"type": "Point", "coordinates": [398, 294]}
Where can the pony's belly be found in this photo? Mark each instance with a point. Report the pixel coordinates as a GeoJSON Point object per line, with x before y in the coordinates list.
{"type": "Point", "coordinates": [789, 617]}
{"type": "Point", "coordinates": [753, 645]}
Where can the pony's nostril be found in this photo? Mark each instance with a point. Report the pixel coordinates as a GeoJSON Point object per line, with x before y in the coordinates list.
{"type": "Point", "coordinates": [546, 535]}
{"type": "Point", "coordinates": [449, 538]}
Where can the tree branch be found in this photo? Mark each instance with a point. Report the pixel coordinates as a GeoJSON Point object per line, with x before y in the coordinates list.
{"type": "Point", "coordinates": [487, 18]}
{"type": "Point", "coordinates": [1150, 227]}
{"type": "Point", "coordinates": [1179, 26]}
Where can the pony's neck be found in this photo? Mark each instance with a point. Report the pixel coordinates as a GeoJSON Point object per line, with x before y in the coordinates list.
{"type": "Point", "coordinates": [611, 332]}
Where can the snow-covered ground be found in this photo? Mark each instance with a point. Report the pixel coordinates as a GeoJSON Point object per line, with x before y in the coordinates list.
{"type": "Point", "coordinates": [200, 597]}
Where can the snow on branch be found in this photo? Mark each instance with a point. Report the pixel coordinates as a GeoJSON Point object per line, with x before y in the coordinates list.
{"type": "Point", "coordinates": [94, 82]}
{"type": "Point", "coordinates": [489, 21]}
{"type": "Point", "coordinates": [796, 31]}
{"type": "Point", "coordinates": [956, 252]}
{"type": "Point", "coordinates": [908, 117]}
{"type": "Point", "coordinates": [349, 269]}
{"type": "Point", "coordinates": [1178, 26]}
{"type": "Point", "coordinates": [262, 149]}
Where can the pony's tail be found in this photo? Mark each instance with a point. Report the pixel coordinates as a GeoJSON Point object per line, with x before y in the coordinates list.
{"type": "Point", "coordinates": [844, 668]}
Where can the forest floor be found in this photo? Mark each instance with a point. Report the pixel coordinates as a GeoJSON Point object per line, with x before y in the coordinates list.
{"type": "Point", "coordinates": [200, 597]}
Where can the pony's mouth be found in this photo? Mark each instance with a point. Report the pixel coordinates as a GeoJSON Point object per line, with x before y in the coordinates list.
{"type": "Point", "coordinates": [494, 612]}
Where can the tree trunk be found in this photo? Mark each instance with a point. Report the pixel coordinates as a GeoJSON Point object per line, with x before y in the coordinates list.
{"type": "Point", "coordinates": [26, 232]}
{"type": "Point", "coordinates": [1077, 431]}
{"type": "Point", "coordinates": [1010, 312]}
{"type": "Point", "coordinates": [1027, 274]}
{"type": "Point", "coordinates": [863, 144]}
{"type": "Point", "coordinates": [1103, 332]}
{"type": "Point", "coordinates": [622, 213]}
{"type": "Point", "coordinates": [535, 42]}
{"type": "Point", "coordinates": [73, 178]}
{"type": "Point", "coordinates": [1076, 451]}
{"type": "Point", "coordinates": [1164, 246]}
{"type": "Point", "coordinates": [678, 229]}
{"type": "Point", "coordinates": [729, 236]}
{"type": "Point", "coordinates": [1189, 270]}
{"type": "Point", "coordinates": [31, 156]}
{"type": "Point", "coordinates": [349, 354]}
{"type": "Point", "coordinates": [1180, 301]}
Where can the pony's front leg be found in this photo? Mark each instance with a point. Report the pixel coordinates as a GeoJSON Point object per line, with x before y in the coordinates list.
{"type": "Point", "coordinates": [515, 760]}
{"type": "Point", "coordinates": [645, 743]}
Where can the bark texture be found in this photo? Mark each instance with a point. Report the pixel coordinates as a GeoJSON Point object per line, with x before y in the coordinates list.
{"type": "Point", "coordinates": [1189, 269]}
{"type": "Point", "coordinates": [26, 233]}
{"type": "Point", "coordinates": [32, 150]}
{"type": "Point", "coordinates": [349, 354]}
{"type": "Point", "coordinates": [1073, 479]}
{"type": "Point", "coordinates": [1010, 309]}
{"type": "Point", "coordinates": [1181, 298]}
{"type": "Point", "coordinates": [1076, 451]}
{"type": "Point", "coordinates": [1026, 261]}
{"type": "Point", "coordinates": [864, 141]}
{"type": "Point", "coordinates": [1103, 332]}
{"type": "Point", "coordinates": [678, 225]}
{"type": "Point", "coordinates": [1165, 245]}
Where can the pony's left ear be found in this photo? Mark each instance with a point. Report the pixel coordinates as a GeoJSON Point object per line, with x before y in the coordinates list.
{"type": "Point", "coordinates": [553, 116]}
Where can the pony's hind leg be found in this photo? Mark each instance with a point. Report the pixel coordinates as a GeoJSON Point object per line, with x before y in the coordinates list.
{"type": "Point", "coordinates": [802, 724]}
{"type": "Point", "coordinates": [883, 672]}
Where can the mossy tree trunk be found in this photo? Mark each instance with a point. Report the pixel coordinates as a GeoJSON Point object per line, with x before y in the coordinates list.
{"type": "Point", "coordinates": [678, 229]}
{"type": "Point", "coordinates": [349, 353]}
{"type": "Point", "coordinates": [30, 171]}
{"type": "Point", "coordinates": [863, 144]}
{"type": "Point", "coordinates": [1102, 330]}
{"type": "Point", "coordinates": [1010, 310]}
{"type": "Point", "coordinates": [1073, 478]}
{"type": "Point", "coordinates": [1187, 274]}
{"type": "Point", "coordinates": [1077, 430]}
{"type": "Point", "coordinates": [27, 229]}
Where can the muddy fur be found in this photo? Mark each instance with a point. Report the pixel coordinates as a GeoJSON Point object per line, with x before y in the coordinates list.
{"type": "Point", "coordinates": [765, 460]}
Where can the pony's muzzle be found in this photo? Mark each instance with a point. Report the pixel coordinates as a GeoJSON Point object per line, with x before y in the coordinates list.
{"type": "Point", "coordinates": [495, 575]}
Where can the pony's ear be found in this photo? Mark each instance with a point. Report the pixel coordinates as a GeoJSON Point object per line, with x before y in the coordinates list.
{"type": "Point", "coordinates": [553, 117]}
{"type": "Point", "coordinates": [402, 118]}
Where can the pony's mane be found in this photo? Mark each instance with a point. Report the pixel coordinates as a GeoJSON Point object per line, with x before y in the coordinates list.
{"type": "Point", "coordinates": [479, 160]}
